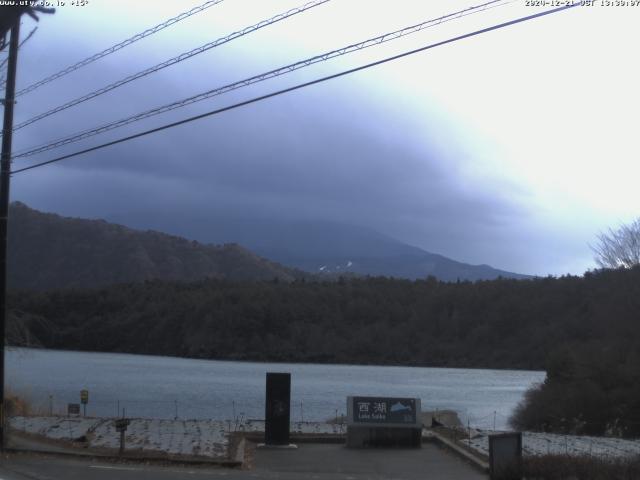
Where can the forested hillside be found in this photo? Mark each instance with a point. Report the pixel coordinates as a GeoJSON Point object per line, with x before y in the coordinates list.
{"type": "Point", "coordinates": [50, 251]}
{"type": "Point", "coordinates": [499, 323]}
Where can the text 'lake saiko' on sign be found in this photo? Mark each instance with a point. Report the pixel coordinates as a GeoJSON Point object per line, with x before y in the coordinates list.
{"type": "Point", "coordinates": [384, 410]}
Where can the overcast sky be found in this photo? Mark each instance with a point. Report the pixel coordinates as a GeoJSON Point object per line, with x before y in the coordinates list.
{"type": "Point", "coordinates": [513, 148]}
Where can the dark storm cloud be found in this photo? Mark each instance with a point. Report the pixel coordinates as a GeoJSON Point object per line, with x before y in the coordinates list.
{"type": "Point", "coordinates": [298, 164]}
{"type": "Point", "coordinates": [327, 153]}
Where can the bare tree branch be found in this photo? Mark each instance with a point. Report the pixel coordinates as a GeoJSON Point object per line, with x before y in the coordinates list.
{"type": "Point", "coordinates": [618, 248]}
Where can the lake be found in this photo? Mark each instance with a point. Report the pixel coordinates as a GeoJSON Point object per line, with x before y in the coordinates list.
{"type": "Point", "coordinates": [166, 387]}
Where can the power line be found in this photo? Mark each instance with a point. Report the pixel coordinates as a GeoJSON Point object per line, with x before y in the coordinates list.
{"type": "Point", "coordinates": [173, 61]}
{"type": "Point", "coordinates": [119, 46]}
{"type": "Point", "coordinates": [259, 78]}
{"type": "Point", "coordinates": [298, 87]}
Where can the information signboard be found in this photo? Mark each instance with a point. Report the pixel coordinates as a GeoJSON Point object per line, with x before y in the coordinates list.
{"type": "Point", "coordinates": [122, 424]}
{"type": "Point", "coordinates": [383, 422]}
{"type": "Point", "coordinates": [383, 410]}
{"type": "Point", "coordinates": [73, 409]}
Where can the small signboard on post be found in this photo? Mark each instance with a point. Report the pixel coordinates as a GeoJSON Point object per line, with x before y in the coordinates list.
{"type": "Point", "coordinates": [73, 409]}
{"type": "Point", "coordinates": [84, 399]}
{"type": "Point", "coordinates": [121, 425]}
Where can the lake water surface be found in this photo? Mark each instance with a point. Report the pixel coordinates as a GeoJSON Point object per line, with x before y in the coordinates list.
{"type": "Point", "coordinates": [163, 387]}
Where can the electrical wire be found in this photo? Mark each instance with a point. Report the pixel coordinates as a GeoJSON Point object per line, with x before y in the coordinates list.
{"type": "Point", "coordinates": [259, 78]}
{"type": "Point", "coordinates": [173, 61]}
{"type": "Point", "coordinates": [119, 46]}
{"type": "Point", "coordinates": [299, 86]}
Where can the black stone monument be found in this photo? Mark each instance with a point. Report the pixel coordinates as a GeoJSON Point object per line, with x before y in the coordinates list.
{"type": "Point", "coordinates": [277, 409]}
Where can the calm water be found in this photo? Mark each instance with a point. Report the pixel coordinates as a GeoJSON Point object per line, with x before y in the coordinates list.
{"type": "Point", "coordinates": [149, 386]}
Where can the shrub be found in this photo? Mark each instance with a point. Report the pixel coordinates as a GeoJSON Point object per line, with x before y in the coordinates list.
{"type": "Point", "coordinates": [15, 405]}
{"type": "Point", "coordinates": [560, 467]}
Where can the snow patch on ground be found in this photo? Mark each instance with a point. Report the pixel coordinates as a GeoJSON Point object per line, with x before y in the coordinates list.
{"type": "Point", "coordinates": [179, 437]}
{"type": "Point", "coordinates": [55, 428]}
{"type": "Point", "coordinates": [183, 437]}
{"type": "Point", "coordinates": [210, 438]}
{"type": "Point", "coordinates": [207, 438]}
{"type": "Point", "coordinates": [319, 428]}
{"type": "Point", "coordinates": [548, 443]}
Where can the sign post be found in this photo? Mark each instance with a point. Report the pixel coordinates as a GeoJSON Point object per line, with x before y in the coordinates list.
{"type": "Point", "coordinates": [84, 399]}
{"type": "Point", "coordinates": [121, 426]}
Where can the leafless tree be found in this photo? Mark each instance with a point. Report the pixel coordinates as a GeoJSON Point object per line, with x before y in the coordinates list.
{"type": "Point", "coordinates": [620, 247]}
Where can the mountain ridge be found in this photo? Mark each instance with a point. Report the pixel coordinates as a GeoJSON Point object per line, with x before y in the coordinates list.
{"type": "Point", "coordinates": [47, 250]}
{"type": "Point", "coordinates": [309, 245]}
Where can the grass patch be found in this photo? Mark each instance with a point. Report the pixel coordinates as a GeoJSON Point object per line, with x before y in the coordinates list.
{"type": "Point", "coordinates": [16, 405]}
{"type": "Point", "coordinates": [561, 467]}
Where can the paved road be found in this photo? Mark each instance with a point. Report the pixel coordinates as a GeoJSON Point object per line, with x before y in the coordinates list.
{"type": "Point", "coordinates": [335, 462]}
{"type": "Point", "coordinates": [310, 461]}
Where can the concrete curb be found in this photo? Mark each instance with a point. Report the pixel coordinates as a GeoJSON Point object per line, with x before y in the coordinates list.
{"type": "Point", "coordinates": [474, 460]}
{"type": "Point", "coordinates": [238, 457]}
{"type": "Point", "coordinates": [133, 458]}
{"type": "Point", "coordinates": [303, 438]}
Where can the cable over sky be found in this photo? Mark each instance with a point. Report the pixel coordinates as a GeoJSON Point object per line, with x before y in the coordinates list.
{"type": "Point", "coordinates": [173, 61]}
{"type": "Point", "coordinates": [119, 46]}
{"type": "Point", "coordinates": [298, 86]}
{"type": "Point", "coordinates": [261, 77]}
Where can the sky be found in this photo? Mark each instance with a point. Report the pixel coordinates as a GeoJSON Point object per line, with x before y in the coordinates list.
{"type": "Point", "coordinates": [513, 148]}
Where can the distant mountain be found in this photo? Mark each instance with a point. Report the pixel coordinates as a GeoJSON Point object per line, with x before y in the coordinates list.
{"type": "Point", "coordinates": [331, 248]}
{"type": "Point", "coordinates": [319, 246]}
{"type": "Point", "coordinates": [49, 251]}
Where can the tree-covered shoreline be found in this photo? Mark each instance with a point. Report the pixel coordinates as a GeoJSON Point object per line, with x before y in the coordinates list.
{"type": "Point", "coordinates": [584, 331]}
{"type": "Point", "coordinates": [487, 324]}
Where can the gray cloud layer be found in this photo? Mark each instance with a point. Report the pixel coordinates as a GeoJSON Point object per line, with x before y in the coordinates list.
{"type": "Point", "coordinates": [333, 152]}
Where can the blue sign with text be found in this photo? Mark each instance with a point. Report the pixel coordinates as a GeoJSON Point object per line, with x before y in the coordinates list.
{"type": "Point", "coordinates": [384, 410]}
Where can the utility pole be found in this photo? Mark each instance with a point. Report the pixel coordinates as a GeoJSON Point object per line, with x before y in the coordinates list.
{"type": "Point", "coordinates": [10, 20]}
{"type": "Point", "coordinates": [5, 169]}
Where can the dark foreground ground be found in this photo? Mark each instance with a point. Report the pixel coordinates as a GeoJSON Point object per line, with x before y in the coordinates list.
{"type": "Point", "coordinates": [309, 461]}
